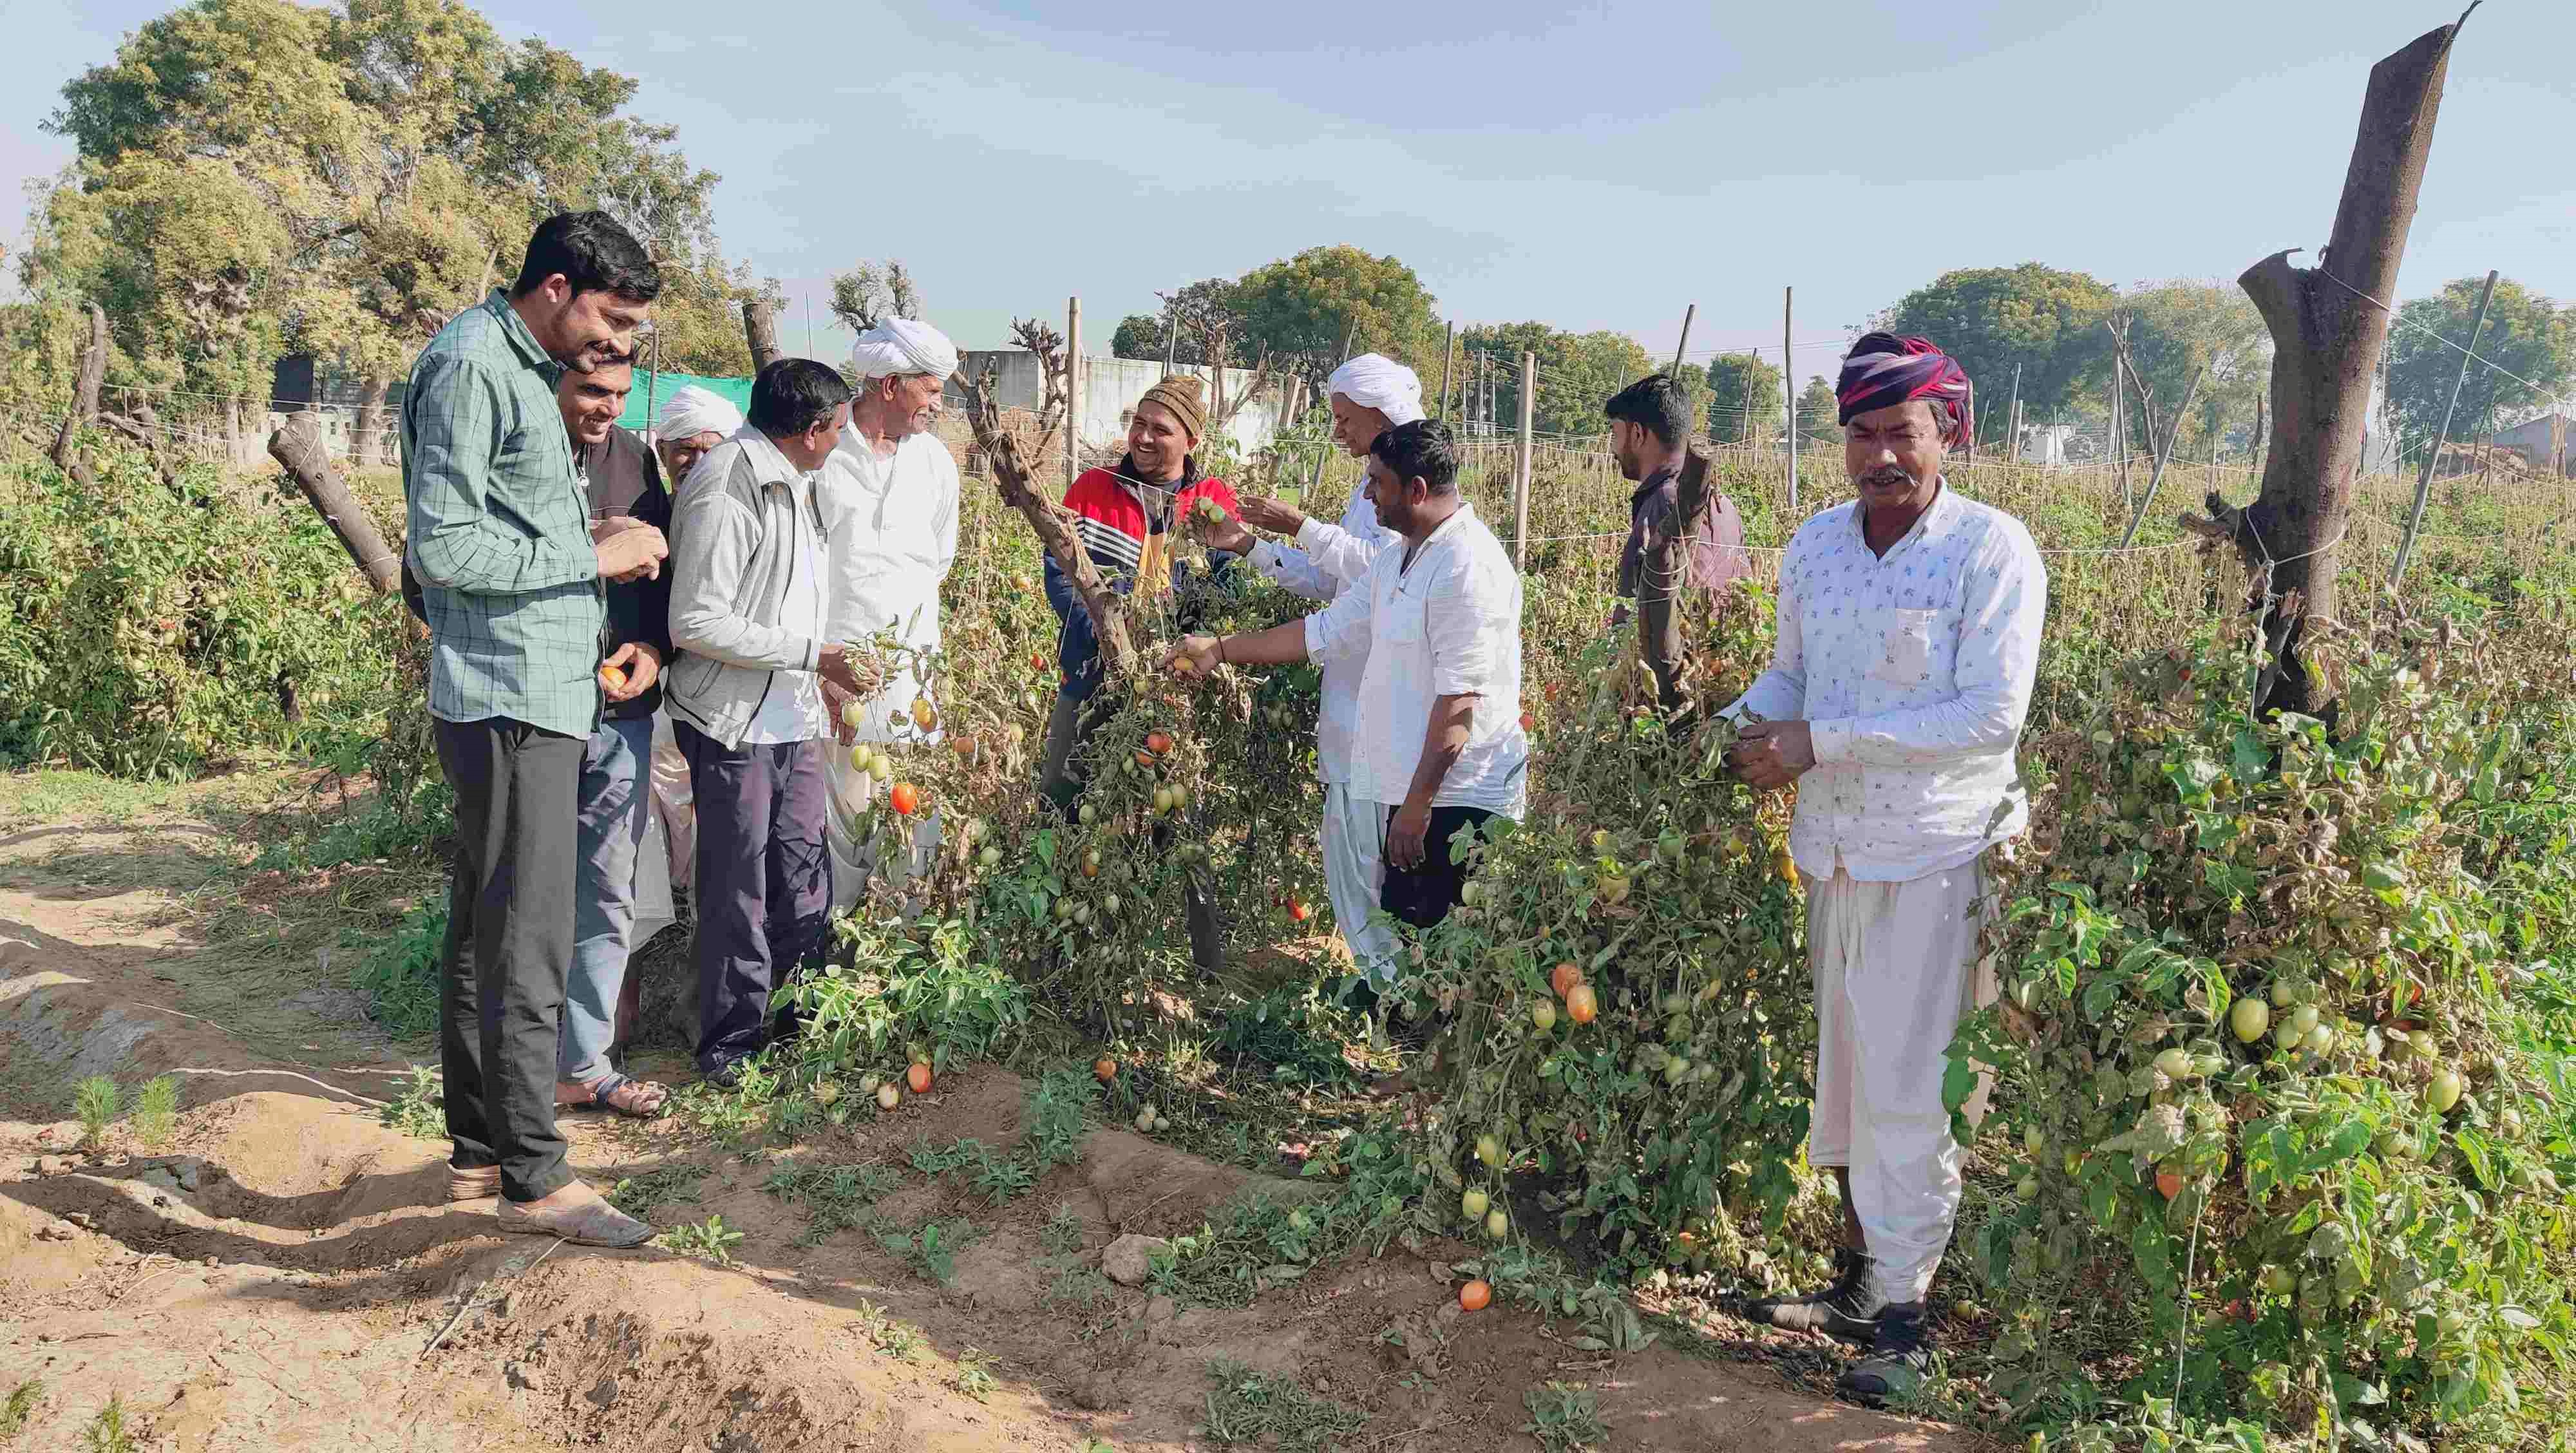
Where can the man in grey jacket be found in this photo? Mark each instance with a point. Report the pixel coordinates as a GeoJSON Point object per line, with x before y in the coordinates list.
{"type": "Point", "coordinates": [750, 595]}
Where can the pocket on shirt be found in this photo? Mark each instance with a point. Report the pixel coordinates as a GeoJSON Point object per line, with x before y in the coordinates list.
{"type": "Point", "coordinates": [1906, 655]}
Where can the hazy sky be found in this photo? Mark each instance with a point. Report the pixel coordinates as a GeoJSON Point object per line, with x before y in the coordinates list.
{"type": "Point", "coordinates": [1595, 170]}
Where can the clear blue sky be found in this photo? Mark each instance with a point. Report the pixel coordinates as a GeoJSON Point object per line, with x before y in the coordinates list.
{"type": "Point", "coordinates": [1594, 170]}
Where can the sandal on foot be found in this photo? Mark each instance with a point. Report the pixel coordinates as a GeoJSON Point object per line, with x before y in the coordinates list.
{"type": "Point", "coordinates": [633, 1098]}
{"type": "Point", "coordinates": [477, 1183]}
{"type": "Point", "coordinates": [584, 1223]}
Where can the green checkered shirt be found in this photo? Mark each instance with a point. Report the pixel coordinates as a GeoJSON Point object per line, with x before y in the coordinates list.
{"type": "Point", "coordinates": [499, 531]}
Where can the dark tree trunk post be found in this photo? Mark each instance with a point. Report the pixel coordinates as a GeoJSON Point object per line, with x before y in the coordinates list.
{"type": "Point", "coordinates": [1012, 476]}
{"type": "Point", "coordinates": [93, 373]}
{"type": "Point", "coordinates": [298, 446]}
{"type": "Point", "coordinates": [760, 331]}
{"type": "Point", "coordinates": [2328, 337]}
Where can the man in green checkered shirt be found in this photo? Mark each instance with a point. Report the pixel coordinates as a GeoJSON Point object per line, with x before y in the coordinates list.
{"type": "Point", "coordinates": [509, 568]}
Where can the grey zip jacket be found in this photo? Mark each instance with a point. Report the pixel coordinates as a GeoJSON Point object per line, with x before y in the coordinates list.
{"type": "Point", "coordinates": [736, 538]}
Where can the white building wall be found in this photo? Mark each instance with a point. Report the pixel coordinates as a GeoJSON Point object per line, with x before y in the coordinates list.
{"type": "Point", "coordinates": [1111, 388]}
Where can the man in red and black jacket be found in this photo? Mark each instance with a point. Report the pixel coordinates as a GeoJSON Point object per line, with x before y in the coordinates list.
{"type": "Point", "coordinates": [1129, 521]}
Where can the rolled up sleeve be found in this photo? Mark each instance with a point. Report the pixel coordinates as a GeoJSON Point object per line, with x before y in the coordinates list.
{"type": "Point", "coordinates": [1347, 621]}
{"type": "Point", "coordinates": [461, 535]}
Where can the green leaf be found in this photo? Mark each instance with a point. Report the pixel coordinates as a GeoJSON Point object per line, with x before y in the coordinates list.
{"type": "Point", "coordinates": [2346, 1141]}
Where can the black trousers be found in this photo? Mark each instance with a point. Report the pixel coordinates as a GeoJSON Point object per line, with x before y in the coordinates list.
{"type": "Point", "coordinates": [1423, 896]}
{"type": "Point", "coordinates": [509, 945]}
{"type": "Point", "coordinates": [764, 891]}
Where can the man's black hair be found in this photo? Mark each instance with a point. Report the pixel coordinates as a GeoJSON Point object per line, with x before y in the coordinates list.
{"type": "Point", "coordinates": [1654, 403]}
{"type": "Point", "coordinates": [1420, 450]}
{"type": "Point", "coordinates": [593, 253]}
{"type": "Point", "coordinates": [792, 395]}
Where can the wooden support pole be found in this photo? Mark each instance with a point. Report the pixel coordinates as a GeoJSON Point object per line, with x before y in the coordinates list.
{"type": "Point", "coordinates": [1789, 396]}
{"type": "Point", "coordinates": [1448, 365]}
{"type": "Point", "coordinates": [2424, 477]}
{"type": "Point", "coordinates": [1683, 346]}
{"type": "Point", "coordinates": [1072, 391]}
{"type": "Point", "coordinates": [1521, 475]}
{"type": "Point", "coordinates": [1171, 331]}
{"type": "Point", "coordinates": [2012, 420]}
{"type": "Point", "coordinates": [298, 446]}
{"type": "Point", "coordinates": [2163, 455]}
{"type": "Point", "coordinates": [1744, 420]}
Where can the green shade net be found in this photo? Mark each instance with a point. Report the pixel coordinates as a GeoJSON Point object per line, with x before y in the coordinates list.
{"type": "Point", "coordinates": [652, 388]}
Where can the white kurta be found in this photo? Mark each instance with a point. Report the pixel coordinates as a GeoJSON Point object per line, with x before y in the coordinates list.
{"type": "Point", "coordinates": [1445, 623]}
{"type": "Point", "coordinates": [897, 538]}
{"type": "Point", "coordinates": [1327, 560]}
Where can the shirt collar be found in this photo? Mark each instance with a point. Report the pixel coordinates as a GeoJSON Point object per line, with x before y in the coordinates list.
{"type": "Point", "coordinates": [1650, 484]}
{"type": "Point", "coordinates": [1934, 520]}
{"type": "Point", "coordinates": [771, 463]}
{"type": "Point", "coordinates": [522, 340]}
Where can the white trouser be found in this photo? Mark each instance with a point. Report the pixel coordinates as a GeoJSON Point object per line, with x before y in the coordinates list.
{"type": "Point", "coordinates": [1353, 873]}
{"type": "Point", "coordinates": [1896, 968]}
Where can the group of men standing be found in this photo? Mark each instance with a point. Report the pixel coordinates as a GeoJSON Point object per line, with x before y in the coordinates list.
{"type": "Point", "coordinates": [581, 589]}
{"type": "Point", "coordinates": [567, 588]}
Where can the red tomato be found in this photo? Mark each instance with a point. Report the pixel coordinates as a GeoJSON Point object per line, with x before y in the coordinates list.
{"type": "Point", "coordinates": [905, 797]}
{"type": "Point", "coordinates": [919, 1078]}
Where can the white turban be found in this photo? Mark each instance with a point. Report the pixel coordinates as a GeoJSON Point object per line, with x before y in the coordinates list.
{"type": "Point", "coordinates": [1375, 381]}
{"type": "Point", "coordinates": [900, 345]}
{"type": "Point", "coordinates": [691, 411]}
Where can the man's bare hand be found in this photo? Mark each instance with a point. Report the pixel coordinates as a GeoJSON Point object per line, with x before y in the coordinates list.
{"type": "Point", "coordinates": [1406, 836]}
{"type": "Point", "coordinates": [1773, 753]}
{"type": "Point", "coordinates": [835, 702]}
{"type": "Point", "coordinates": [628, 549]}
{"type": "Point", "coordinates": [1194, 656]}
{"type": "Point", "coordinates": [1271, 515]}
{"type": "Point", "coordinates": [861, 676]}
{"type": "Point", "coordinates": [642, 665]}
{"type": "Point", "coordinates": [1227, 534]}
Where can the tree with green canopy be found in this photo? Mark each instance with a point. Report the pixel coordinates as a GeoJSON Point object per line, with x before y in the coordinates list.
{"type": "Point", "coordinates": [1301, 309]}
{"type": "Point", "coordinates": [1744, 398]}
{"type": "Point", "coordinates": [1990, 319]}
{"type": "Point", "coordinates": [2526, 335]}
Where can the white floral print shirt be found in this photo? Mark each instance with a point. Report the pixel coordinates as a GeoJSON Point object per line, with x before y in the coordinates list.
{"type": "Point", "coordinates": [1914, 672]}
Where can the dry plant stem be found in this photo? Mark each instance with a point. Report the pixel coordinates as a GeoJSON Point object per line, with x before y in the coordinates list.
{"type": "Point", "coordinates": [2328, 338]}
{"type": "Point", "coordinates": [1011, 476]}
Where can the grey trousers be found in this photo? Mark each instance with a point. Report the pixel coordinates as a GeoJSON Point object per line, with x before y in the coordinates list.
{"type": "Point", "coordinates": [509, 946]}
{"type": "Point", "coordinates": [615, 797]}
{"type": "Point", "coordinates": [764, 890]}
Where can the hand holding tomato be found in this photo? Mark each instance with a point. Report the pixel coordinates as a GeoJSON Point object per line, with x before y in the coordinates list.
{"type": "Point", "coordinates": [1194, 656]}
{"type": "Point", "coordinates": [641, 665]}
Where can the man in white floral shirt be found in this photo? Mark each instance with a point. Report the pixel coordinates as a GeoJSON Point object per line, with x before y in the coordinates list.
{"type": "Point", "coordinates": [1909, 624]}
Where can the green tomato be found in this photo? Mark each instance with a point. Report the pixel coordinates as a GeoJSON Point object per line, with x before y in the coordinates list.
{"type": "Point", "coordinates": [2303, 1019]}
{"type": "Point", "coordinates": [2444, 1091]}
{"type": "Point", "coordinates": [2175, 1063]}
{"type": "Point", "coordinates": [1489, 1149]}
{"type": "Point", "coordinates": [1472, 1205]}
{"type": "Point", "coordinates": [2028, 1189]}
{"type": "Point", "coordinates": [2284, 993]}
{"type": "Point", "coordinates": [1497, 1225]}
{"type": "Point", "coordinates": [2320, 1039]}
{"type": "Point", "coordinates": [1543, 1016]}
{"type": "Point", "coordinates": [2250, 1019]}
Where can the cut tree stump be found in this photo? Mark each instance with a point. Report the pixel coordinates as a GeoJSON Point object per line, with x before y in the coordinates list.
{"type": "Point", "coordinates": [2328, 332]}
{"type": "Point", "coordinates": [298, 446]}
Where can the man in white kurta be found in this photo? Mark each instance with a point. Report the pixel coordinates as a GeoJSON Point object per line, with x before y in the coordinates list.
{"type": "Point", "coordinates": [1368, 395]}
{"type": "Point", "coordinates": [1909, 632]}
{"type": "Point", "coordinates": [1436, 743]}
{"type": "Point", "coordinates": [896, 485]}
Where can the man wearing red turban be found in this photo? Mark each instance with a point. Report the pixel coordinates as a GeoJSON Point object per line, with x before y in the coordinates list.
{"type": "Point", "coordinates": [1909, 624]}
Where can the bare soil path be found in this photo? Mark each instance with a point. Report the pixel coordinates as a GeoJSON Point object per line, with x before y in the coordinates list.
{"type": "Point", "coordinates": [276, 1276]}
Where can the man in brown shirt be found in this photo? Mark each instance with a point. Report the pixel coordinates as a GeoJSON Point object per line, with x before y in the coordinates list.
{"type": "Point", "coordinates": [1679, 535]}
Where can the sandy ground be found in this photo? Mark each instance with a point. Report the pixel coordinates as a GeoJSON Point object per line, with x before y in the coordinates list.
{"type": "Point", "coordinates": [285, 1274]}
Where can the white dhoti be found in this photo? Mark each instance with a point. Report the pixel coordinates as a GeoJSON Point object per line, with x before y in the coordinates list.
{"type": "Point", "coordinates": [1896, 968]}
{"type": "Point", "coordinates": [1354, 872]}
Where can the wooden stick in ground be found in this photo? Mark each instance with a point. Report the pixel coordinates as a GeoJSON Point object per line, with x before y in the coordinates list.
{"type": "Point", "coordinates": [2424, 480]}
{"type": "Point", "coordinates": [1688, 313]}
{"type": "Point", "coordinates": [1521, 475]}
{"type": "Point", "coordinates": [2163, 455]}
{"type": "Point", "coordinates": [1789, 397]}
{"type": "Point", "coordinates": [298, 446]}
{"type": "Point", "coordinates": [2329, 329]}
{"type": "Point", "coordinates": [1448, 365]}
{"type": "Point", "coordinates": [93, 372]}
{"type": "Point", "coordinates": [1013, 475]}
{"type": "Point", "coordinates": [1072, 391]}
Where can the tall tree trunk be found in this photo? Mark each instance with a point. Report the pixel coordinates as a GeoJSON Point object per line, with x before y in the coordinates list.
{"type": "Point", "coordinates": [93, 373]}
{"type": "Point", "coordinates": [760, 331]}
{"type": "Point", "coordinates": [298, 446]}
{"type": "Point", "coordinates": [367, 440]}
{"type": "Point", "coordinates": [1012, 476]}
{"type": "Point", "coordinates": [2328, 337]}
